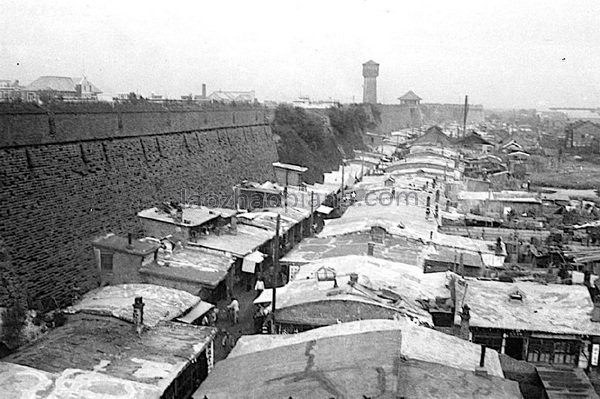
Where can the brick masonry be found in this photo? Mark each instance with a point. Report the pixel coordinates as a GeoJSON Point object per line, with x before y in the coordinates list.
{"type": "Point", "coordinates": [64, 184]}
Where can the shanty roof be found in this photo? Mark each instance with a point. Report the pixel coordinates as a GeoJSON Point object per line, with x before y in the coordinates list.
{"type": "Point", "coordinates": [58, 83]}
{"type": "Point", "coordinates": [361, 364]}
{"type": "Point", "coordinates": [410, 95]}
{"type": "Point", "coordinates": [512, 143]}
{"type": "Point", "coordinates": [161, 303]}
{"type": "Point", "coordinates": [434, 136]}
{"type": "Point", "coordinates": [504, 196]}
{"type": "Point", "coordinates": [551, 308]}
{"type": "Point", "coordinates": [419, 343]}
{"type": "Point", "coordinates": [22, 382]}
{"type": "Point", "coordinates": [314, 248]}
{"type": "Point", "coordinates": [191, 264]}
{"type": "Point", "coordinates": [361, 217]}
{"type": "Point", "coordinates": [394, 217]}
{"type": "Point", "coordinates": [190, 215]}
{"type": "Point", "coordinates": [113, 347]}
{"type": "Point", "coordinates": [518, 154]}
{"type": "Point", "coordinates": [381, 283]}
{"type": "Point", "coordinates": [295, 168]}
{"type": "Point", "coordinates": [446, 255]}
{"type": "Point", "coordinates": [473, 139]}
{"type": "Point", "coordinates": [121, 244]}
{"type": "Point", "coordinates": [566, 383]}
{"type": "Point", "coordinates": [267, 218]}
{"type": "Point", "coordinates": [246, 240]}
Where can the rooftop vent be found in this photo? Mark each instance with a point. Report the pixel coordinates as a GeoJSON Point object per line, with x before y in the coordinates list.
{"type": "Point", "coordinates": [516, 295]}
{"type": "Point", "coordinates": [325, 274]}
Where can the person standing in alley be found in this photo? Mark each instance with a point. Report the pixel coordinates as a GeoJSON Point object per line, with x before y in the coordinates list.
{"type": "Point", "coordinates": [259, 286]}
{"type": "Point", "coordinates": [234, 308]}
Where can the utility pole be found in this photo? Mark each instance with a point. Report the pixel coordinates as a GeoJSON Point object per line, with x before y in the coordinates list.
{"type": "Point", "coordinates": [312, 212]}
{"type": "Point", "coordinates": [275, 277]}
{"type": "Point", "coordinates": [465, 116]}
{"type": "Point", "coordinates": [343, 172]}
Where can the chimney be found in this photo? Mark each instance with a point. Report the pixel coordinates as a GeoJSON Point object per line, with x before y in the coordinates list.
{"type": "Point", "coordinates": [129, 241]}
{"type": "Point", "coordinates": [465, 316]}
{"type": "Point", "coordinates": [233, 225]}
{"type": "Point", "coordinates": [596, 312]}
{"type": "Point", "coordinates": [482, 357]}
{"type": "Point", "coordinates": [481, 370]}
{"type": "Point", "coordinates": [203, 90]}
{"type": "Point", "coordinates": [138, 314]}
{"type": "Point", "coordinates": [370, 248]}
{"type": "Point", "coordinates": [353, 278]}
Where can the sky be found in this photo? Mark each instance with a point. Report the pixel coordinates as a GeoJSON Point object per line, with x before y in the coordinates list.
{"type": "Point", "coordinates": [502, 54]}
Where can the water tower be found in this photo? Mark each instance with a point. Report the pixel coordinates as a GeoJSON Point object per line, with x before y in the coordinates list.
{"type": "Point", "coordinates": [370, 73]}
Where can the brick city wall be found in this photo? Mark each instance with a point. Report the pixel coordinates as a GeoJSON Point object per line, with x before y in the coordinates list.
{"type": "Point", "coordinates": [66, 178]}
{"type": "Point", "coordinates": [395, 116]}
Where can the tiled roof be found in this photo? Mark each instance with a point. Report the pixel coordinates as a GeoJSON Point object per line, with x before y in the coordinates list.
{"type": "Point", "coordinates": [410, 95]}
{"type": "Point", "coordinates": [434, 136]}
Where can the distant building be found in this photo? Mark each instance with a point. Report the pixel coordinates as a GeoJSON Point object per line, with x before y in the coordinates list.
{"type": "Point", "coordinates": [306, 102]}
{"type": "Point", "coordinates": [580, 114]}
{"type": "Point", "coordinates": [232, 96]}
{"type": "Point", "coordinates": [473, 143]}
{"type": "Point", "coordinates": [66, 88]}
{"type": "Point", "coordinates": [410, 98]}
{"type": "Point", "coordinates": [10, 90]}
{"type": "Point", "coordinates": [583, 134]}
{"type": "Point", "coordinates": [370, 73]}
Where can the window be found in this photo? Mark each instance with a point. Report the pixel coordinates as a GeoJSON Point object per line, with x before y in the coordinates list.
{"type": "Point", "coordinates": [550, 351]}
{"type": "Point", "coordinates": [106, 261]}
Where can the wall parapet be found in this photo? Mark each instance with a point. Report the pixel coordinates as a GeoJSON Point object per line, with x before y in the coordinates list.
{"type": "Point", "coordinates": [39, 126]}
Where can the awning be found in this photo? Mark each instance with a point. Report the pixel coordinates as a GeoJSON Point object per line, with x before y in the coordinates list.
{"type": "Point", "coordinates": [324, 209]}
{"type": "Point", "coordinates": [197, 311]}
{"type": "Point", "coordinates": [265, 297]}
{"type": "Point", "coordinates": [250, 261]}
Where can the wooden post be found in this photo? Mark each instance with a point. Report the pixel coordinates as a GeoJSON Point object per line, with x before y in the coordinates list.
{"type": "Point", "coordinates": [312, 213]}
{"type": "Point", "coordinates": [275, 277]}
{"type": "Point", "coordinates": [342, 181]}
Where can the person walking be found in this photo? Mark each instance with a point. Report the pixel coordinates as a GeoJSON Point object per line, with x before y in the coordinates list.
{"type": "Point", "coordinates": [259, 286]}
{"type": "Point", "coordinates": [234, 308]}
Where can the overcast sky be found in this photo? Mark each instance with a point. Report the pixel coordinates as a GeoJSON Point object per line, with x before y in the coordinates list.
{"type": "Point", "coordinates": [501, 53]}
